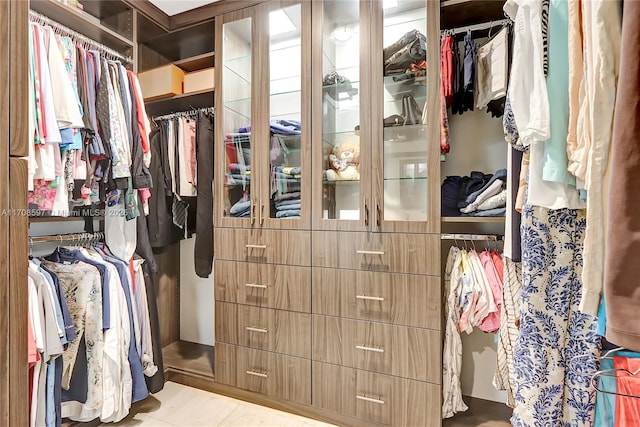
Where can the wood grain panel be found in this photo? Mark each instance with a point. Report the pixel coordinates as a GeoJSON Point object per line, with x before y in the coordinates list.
{"type": "Point", "coordinates": [226, 323]}
{"type": "Point", "coordinates": [397, 253]}
{"type": "Point", "coordinates": [401, 299]}
{"type": "Point", "coordinates": [280, 331]}
{"type": "Point", "coordinates": [395, 350]}
{"type": "Point", "coordinates": [387, 400]}
{"type": "Point", "coordinates": [18, 265]}
{"type": "Point", "coordinates": [416, 403]}
{"type": "Point", "coordinates": [151, 11]}
{"type": "Point", "coordinates": [209, 11]}
{"type": "Point", "coordinates": [274, 374]}
{"type": "Point", "coordinates": [264, 285]}
{"type": "Point", "coordinates": [4, 219]}
{"type": "Point", "coordinates": [18, 90]}
{"type": "Point", "coordinates": [225, 364]}
{"type": "Point", "coordinates": [263, 246]}
{"type": "Point", "coordinates": [168, 293]}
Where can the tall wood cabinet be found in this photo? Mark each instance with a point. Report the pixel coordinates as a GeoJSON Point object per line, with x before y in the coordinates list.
{"type": "Point", "coordinates": [335, 304]}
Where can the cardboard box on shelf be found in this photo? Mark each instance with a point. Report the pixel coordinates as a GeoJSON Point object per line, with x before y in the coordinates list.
{"type": "Point", "coordinates": [161, 82]}
{"type": "Point", "coordinates": [199, 80]}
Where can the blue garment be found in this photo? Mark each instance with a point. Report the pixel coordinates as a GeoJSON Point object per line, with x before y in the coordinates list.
{"type": "Point", "coordinates": [288, 213]}
{"type": "Point", "coordinates": [288, 202]}
{"type": "Point", "coordinates": [240, 207]}
{"type": "Point", "coordinates": [293, 206]}
{"type": "Point", "coordinates": [489, 212]}
{"type": "Point", "coordinates": [57, 391]}
{"type": "Point", "coordinates": [50, 405]}
{"type": "Point", "coordinates": [62, 255]}
{"type": "Point", "coordinates": [280, 127]}
{"type": "Point", "coordinates": [135, 361]}
{"type": "Point", "coordinates": [602, 319]}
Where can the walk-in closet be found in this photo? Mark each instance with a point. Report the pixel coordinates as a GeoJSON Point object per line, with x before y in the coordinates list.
{"type": "Point", "coordinates": [351, 212]}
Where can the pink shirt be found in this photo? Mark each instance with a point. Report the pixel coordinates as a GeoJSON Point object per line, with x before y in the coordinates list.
{"type": "Point", "coordinates": [491, 323]}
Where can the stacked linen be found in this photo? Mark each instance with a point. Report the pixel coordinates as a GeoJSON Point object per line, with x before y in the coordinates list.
{"type": "Point", "coordinates": [288, 205]}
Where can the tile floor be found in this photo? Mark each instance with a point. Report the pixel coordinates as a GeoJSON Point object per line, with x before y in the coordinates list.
{"type": "Point", "coordinates": [181, 406]}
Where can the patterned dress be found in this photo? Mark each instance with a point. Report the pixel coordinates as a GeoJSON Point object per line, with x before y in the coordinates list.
{"type": "Point", "coordinates": [550, 391]}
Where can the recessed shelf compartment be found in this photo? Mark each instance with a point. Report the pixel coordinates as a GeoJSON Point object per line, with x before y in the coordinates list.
{"type": "Point", "coordinates": [473, 219]}
{"type": "Point", "coordinates": [182, 102]}
{"type": "Point", "coordinates": [196, 63]}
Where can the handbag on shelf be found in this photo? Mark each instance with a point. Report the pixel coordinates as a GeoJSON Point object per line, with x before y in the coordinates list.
{"type": "Point", "coordinates": [411, 112]}
{"type": "Point", "coordinates": [410, 50]}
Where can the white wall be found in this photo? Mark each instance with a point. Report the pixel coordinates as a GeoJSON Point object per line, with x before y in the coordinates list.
{"type": "Point", "coordinates": [196, 299]}
{"type": "Point", "coordinates": [477, 143]}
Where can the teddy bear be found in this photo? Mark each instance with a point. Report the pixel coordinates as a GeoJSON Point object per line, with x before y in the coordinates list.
{"type": "Point", "coordinates": [344, 162]}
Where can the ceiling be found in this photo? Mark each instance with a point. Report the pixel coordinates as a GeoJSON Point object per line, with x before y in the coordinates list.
{"type": "Point", "coordinates": [173, 7]}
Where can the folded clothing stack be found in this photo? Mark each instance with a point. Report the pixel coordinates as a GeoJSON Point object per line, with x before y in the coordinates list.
{"type": "Point", "coordinates": [238, 174]}
{"type": "Point", "coordinates": [479, 194]}
{"type": "Point", "coordinates": [241, 208]}
{"type": "Point", "coordinates": [288, 205]}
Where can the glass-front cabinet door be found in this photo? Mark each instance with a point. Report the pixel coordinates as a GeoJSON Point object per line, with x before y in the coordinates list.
{"type": "Point", "coordinates": [405, 116]}
{"type": "Point", "coordinates": [235, 140]}
{"type": "Point", "coordinates": [341, 115]}
{"type": "Point", "coordinates": [285, 148]}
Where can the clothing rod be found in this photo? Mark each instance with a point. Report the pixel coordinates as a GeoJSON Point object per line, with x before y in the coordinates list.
{"type": "Point", "coordinates": [477, 27]}
{"type": "Point", "coordinates": [39, 18]}
{"type": "Point", "coordinates": [185, 113]}
{"type": "Point", "coordinates": [488, 237]}
{"type": "Point", "coordinates": [95, 237]}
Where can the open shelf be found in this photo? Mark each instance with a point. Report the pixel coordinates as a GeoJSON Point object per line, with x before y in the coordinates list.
{"type": "Point", "coordinates": [82, 22]}
{"type": "Point", "coordinates": [189, 357]}
{"type": "Point", "coordinates": [473, 219]}
{"type": "Point", "coordinates": [195, 63]}
{"type": "Point", "coordinates": [182, 102]}
{"type": "Point", "coordinates": [458, 13]}
{"type": "Point", "coordinates": [176, 45]}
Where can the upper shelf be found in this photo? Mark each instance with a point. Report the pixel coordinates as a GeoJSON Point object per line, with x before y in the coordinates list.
{"type": "Point", "coordinates": [182, 102]}
{"type": "Point", "coordinates": [83, 22]}
{"type": "Point", "coordinates": [458, 13]}
{"type": "Point", "coordinates": [176, 45]}
{"type": "Point", "coordinates": [473, 219]}
{"type": "Point", "coordinates": [195, 63]}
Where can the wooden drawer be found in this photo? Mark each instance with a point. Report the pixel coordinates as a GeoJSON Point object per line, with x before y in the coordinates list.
{"type": "Point", "coordinates": [224, 364]}
{"type": "Point", "coordinates": [375, 397]}
{"type": "Point", "coordinates": [264, 285]}
{"type": "Point", "coordinates": [402, 299]}
{"type": "Point", "coordinates": [280, 331]}
{"type": "Point", "coordinates": [263, 246]}
{"type": "Point", "coordinates": [395, 350]}
{"type": "Point", "coordinates": [396, 253]}
{"type": "Point", "coordinates": [273, 374]}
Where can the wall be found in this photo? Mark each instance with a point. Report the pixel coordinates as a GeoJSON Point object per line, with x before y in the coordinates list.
{"type": "Point", "coordinates": [477, 143]}
{"type": "Point", "coordinates": [196, 300]}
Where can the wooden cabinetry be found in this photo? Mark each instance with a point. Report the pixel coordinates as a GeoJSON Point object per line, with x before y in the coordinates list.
{"type": "Point", "coordinates": [350, 282]}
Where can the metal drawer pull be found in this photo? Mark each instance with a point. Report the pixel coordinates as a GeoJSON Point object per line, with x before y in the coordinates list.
{"type": "Point", "coordinates": [257, 374]}
{"type": "Point", "coordinates": [370, 252]}
{"type": "Point", "coordinates": [255, 285]}
{"type": "Point", "coordinates": [367, 297]}
{"type": "Point", "coordinates": [365, 348]}
{"type": "Point", "coordinates": [370, 399]}
{"type": "Point", "coordinates": [252, 329]}
{"type": "Point", "coordinates": [255, 246]}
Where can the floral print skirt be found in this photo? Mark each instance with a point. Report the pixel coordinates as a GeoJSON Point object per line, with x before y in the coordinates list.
{"type": "Point", "coordinates": [550, 389]}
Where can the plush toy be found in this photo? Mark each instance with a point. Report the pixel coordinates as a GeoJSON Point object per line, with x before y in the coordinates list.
{"type": "Point", "coordinates": [344, 162]}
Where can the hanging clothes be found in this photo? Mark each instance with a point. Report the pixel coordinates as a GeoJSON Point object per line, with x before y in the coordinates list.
{"type": "Point", "coordinates": [552, 329]}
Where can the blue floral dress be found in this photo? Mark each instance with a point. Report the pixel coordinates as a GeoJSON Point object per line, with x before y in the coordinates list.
{"type": "Point", "coordinates": [552, 329]}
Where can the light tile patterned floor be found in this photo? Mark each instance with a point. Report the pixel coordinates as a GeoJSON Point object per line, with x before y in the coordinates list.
{"type": "Point", "coordinates": [181, 406]}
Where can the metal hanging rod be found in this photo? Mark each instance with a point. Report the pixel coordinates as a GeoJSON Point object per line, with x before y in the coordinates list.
{"type": "Point", "coordinates": [484, 237]}
{"type": "Point", "coordinates": [77, 37]}
{"type": "Point", "coordinates": [193, 112]}
{"type": "Point", "coordinates": [477, 27]}
{"type": "Point", "coordinates": [75, 237]}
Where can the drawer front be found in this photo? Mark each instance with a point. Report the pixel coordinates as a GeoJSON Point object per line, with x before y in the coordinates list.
{"type": "Point", "coordinates": [395, 350]}
{"type": "Point", "coordinates": [375, 397]}
{"type": "Point", "coordinates": [396, 253]}
{"type": "Point", "coordinates": [224, 364]}
{"type": "Point", "coordinates": [275, 375]}
{"type": "Point", "coordinates": [264, 285]}
{"type": "Point", "coordinates": [280, 331]}
{"type": "Point", "coordinates": [263, 246]}
{"type": "Point", "coordinates": [401, 299]}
